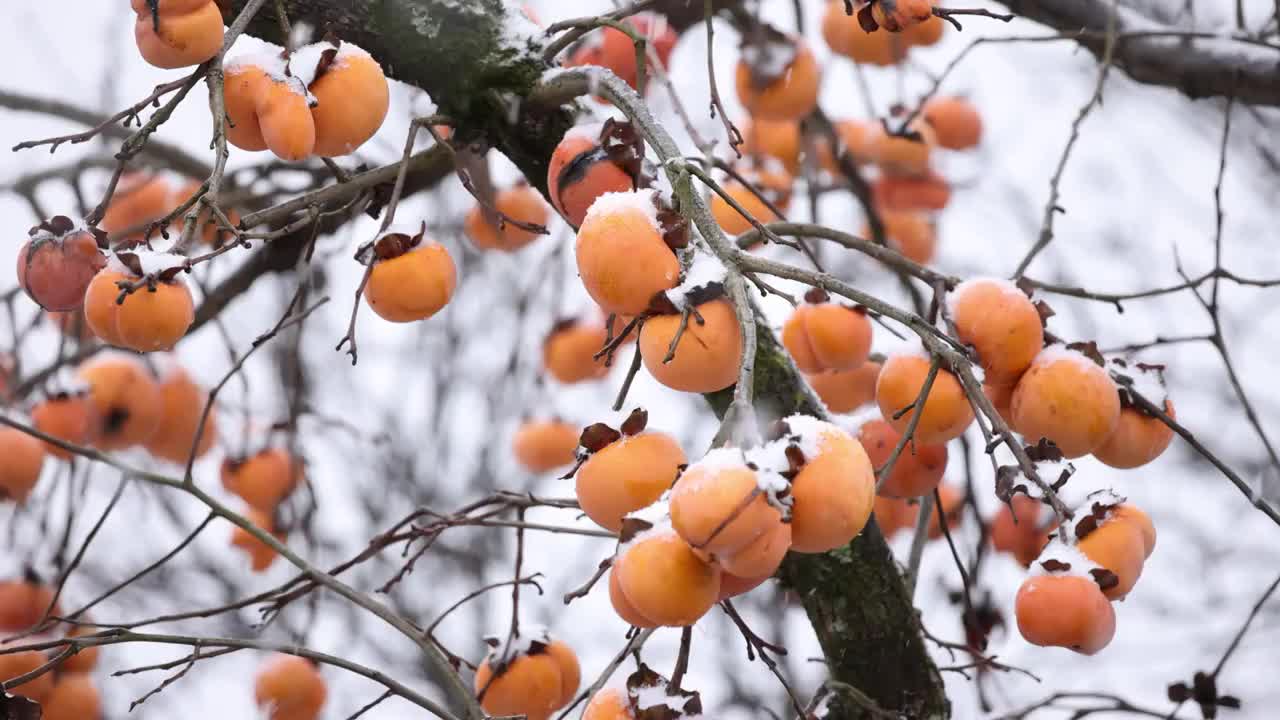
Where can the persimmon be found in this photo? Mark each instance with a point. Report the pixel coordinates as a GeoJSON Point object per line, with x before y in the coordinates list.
{"type": "Point", "coordinates": [665, 581]}
{"type": "Point", "coordinates": [521, 203]}
{"type": "Point", "coordinates": [177, 33]}
{"type": "Point", "coordinates": [1018, 531]}
{"type": "Point", "coordinates": [100, 308]}
{"type": "Point", "coordinates": [924, 34]}
{"type": "Point", "coordinates": [608, 704]}
{"type": "Point", "coordinates": [140, 198]}
{"type": "Point", "coordinates": [1064, 611]}
{"type": "Point", "coordinates": [17, 664]}
{"type": "Point", "coordinates": [267, 108]}
{"type": "Point", "coordinates": [825, 335]}
{"type": "Point", "coordinates": [773, 186]}
{"type": "Point", "coordinates": [126, 400]}
{"type": "Point", "coordinates": [779, 140]}
{"type": "Point", "coordinates": [263, 480]}
{"type": "Point", "coordinates": [86, 658]}
{"type": "Point", "coordinates": [845, 36]}
{"type": "Point", "coordinates": [1137, 439]}
{"type": "Point", "coordinates": [184, 402]}
{"type": "Point", "coordinates": [946, 412]}
{"type": "Point", "coordinates": [893, 515]}
{"type": "Point", "coordinates": [833, 494]}
{"type": "Point", "coordinates": [906, 154]}
{"type": "Point", "coordinates": [1118, 546]}
{"type": "Point", "coordinates": [24, 603]}
{"type": "Point", "coordinates": [569, 351]}
{"type": "Point", "coordinates": [1067, 398]}
{"type": "Point", "coordinates": [73, 697]}
{"type": "Point", "coordinates": [351, 96]}
{"type": "Point", "coordinates": [289, 687]}
{"type": "Point", "coordinates": [626, 475]}
{"type": "Point", "coordinates": [529, 685]}
{"type": "Point", "coordinates": [614, 49]}
{"type": "Point", "coordinates": [1001, 324]}
{"type": "Point", "coordinates": [623, 607]}
{"type": "Point", "coordinates": [23, 460]}
{"type": "Point", "coordinates": [208, 229]}
{"type": "Point", "coordinates": [709, 353]}
{"type": "Point", "coordinates": [1000, 395]}
{"type": "Point", "coordinates": [955, 121]}
{"type": "Point", "coordinates": [580, 171]}
{"type": "Point", "coordinates": [780, 82]}
{"type": "Point", "coordinates": [918, 469]}
{"type": "Point", "coordinates": [761, 557]}
{"type": "Point", "coordinates": [72, 324]}
{"type": "Point", "coordinates": [155, 316]}
{"type": "Point", "coordinates": [898, 15]}
{"type": "Point", "coordinates": [718, 506]}
{"type": "Point", "coordinates": [843, 391]}
{"type": "Point", "coordinates": [622, 257]}
{"type": "Point", "coordinates": [68, 416]}
{"type": "Point", "coordinates": [261, 555]}
{"type": "Point", "coordinates": [543, 445]}
{"type": "Point", "coordinates": [570, 669]}
{"type": "Point", "coordinates": [903, 192]}
{"type": "Point", "coordinates": [951, 507]}
{"type": "Point", "coordinates": [853, 137]}
{"type": "Point", "coordinates": [732, 586]}
{"type": "Point", "coordinates": [910, 233]}
{"type": "Point", "coordinates": [411, 279]}
{"type": "Point", "coordinates": [57, 264]}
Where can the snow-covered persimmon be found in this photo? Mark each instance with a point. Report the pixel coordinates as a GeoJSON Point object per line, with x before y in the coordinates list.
{"type": "Point", "coordinates": [581, 170]}
{"type": "Point", "coordinates": [1067, 398]}
{"type": "Point", "coordinates": [1018, 531]}
{"type": "Point", "coordinates": [57, 264]}
{"type": "Point", "coordinates": [718, 506]}
{"type": "Point", "coordinates": [1001, 324]}
{"type": "Point", "coordinates": [351, 95]}
{"type": "Point", "coordinates": [833, 495]}
{"type": "Point", "coordinates": [761, 557]}
{"type": "Point", "coordinates": [1119, 546]}
{"type": "Point", "coordinates": [898, 15]}
{"type": "Point", "coordinates": [664, 580]}
{"type": "Point", "coordinates": [622, 257]}
{"type": "Point", "coordinates": [155, 316]}
{"type": "Point", "coordinates": [845, 36]}
{"type": "Point", "coordinates": [267, 108]}
{"type": "Point", "coordinates": [611, 48]}
{"type": "Point", "coordinates": [530, 684]}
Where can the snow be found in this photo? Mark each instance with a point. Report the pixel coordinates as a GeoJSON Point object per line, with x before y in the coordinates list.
{"type": "Point", "coordinates": [521, 643]}
{"type": "Point", "coordinates": [967, 286]}
{"type": "Point", "coordinates": [519, 32]}
{"type": "Point", "coordinates": [586, 131]}
{"type": "Point", "coordinates": [656, 696]}
{"type": "Point", "coordinates": [630, 202]}
{"type": "Point", "coordinates": [1147, 383]}
{"type": "Point", "coordinates": [810, 433]}
{"type": "Point", "coordinates": [275, 67]}
{"type": "Point", "coordinates": [1061, 353]}
{"type": "Point", "coordinates": [152, 261]}
{"type": "Point", "coordinates": [705, 269]}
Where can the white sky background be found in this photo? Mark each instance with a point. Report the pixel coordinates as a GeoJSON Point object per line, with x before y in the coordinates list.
{"type": "Point", "coordinates": [1139, 186]}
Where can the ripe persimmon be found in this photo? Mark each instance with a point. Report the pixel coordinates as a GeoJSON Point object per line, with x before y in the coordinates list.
{"type": "Point", "coordinates": [608, 704]}
{"type": "Point", "coordinates": [569, 351]}
{"type": "Point", "coordinates": [622, 257]}
{"type": "Point", "coordinates": [900, 154]}
{"type": "Point", "coordinates": [126, 400]}
{"type": "Point", "coordinates": [854, 140]}
{"type": "Point", "coordinates": [521, 203]}
{"type": "Point", "coordinates": [57, 264]}
{"type": "Point", "coordinates": [614, 49]}
{"type": "Point", "coordinates": [17, 664]}
{"type": "Point", "coordinates": [528, 685]}
{"type": "Point", "coordinates": [918, 469]}
{"type": "Point", "coordinates": [946, 411]}
{"type": "Point", "coordinates": [184, 402]}
{"type": "Point", "coordinates": [100, 308]}
{"type": "Point", "coordinates": [924, 34]}
{"type": "Point", "coordinates": [709, 353]}
{"type": "Point", "coordinates": [904, 192]}
{"type": "Point", "coordinates": [779, 140]}
{"type": "Point", "coordinates": [732, 586]}
{"type": "Point", "coordinates": [843, 391]}
{"type": "Point", "coordinates": [717, 505]}
{"type": "Point", "coordinates": [140, 198]}
{"type": "Point", "coordinates": [570, 670]}
{"type": "Point", "coordinates": [1119, 546]}
{"type": "Point", "coordinates": [845, 36]}
{"type": "Point", "coordinates": [580, 171]}
{"type": "Point", "coordinates": [1137, 439]}
{"type": "Point", "coordinates": [1126, 512]}
{"type": "Point", "coordinates": [1019, 531]}
{"type": "Point", "coordinates": [263, 480]}
{"type": "Point", "coordinates": [261, 555]}
{"type": "Point", "coordinates": [68, 416]}
{"type": "Point", "coordinates": [177, 33]}
{"type": "Point", "coordinates": [893, 515]}
{"type": "Point", "coordinates": [780, 82]}
{"type": "Point", "coordinates": [1001, 324]}
{"type": "Point", "coordinates": [543, 445]}
{"type": "Point", "coordinates": [267, 108]}
{"type": "Point", "coordinates": [351, 96]}
{"type": "Point", "coordinates": [1065, 611]}
{"type": "Point", "coordinates": [1067, 398]}
{"type": "Point", "coordinates": [628, 474]}
{"type": "Point", "coordinates": [955, 121]}
{"type": "Point", "coordinates": [761, 557]}
{"type": "Point", "coordinates": [825, 335]}
{"type": "Point", "coordinates": [1000, 395]}
{"type": "Point", "coordinates": [86, 658]}
{"type": "Point", "coordinates": [209, 230]}
{"type": "Point", "coordinates": [623, 607]}
{"type": "Point", "coordinates": [73, 697]}
{"type": "Point", "coordinates": [411, 279]}
{"type": "Point", "coordinates": [665, 581]}
{"type": "Point", "coordinates": [833, 494]}
{"type": "Point", "coordinates": [23, 460]}
{"type": "Point", "coordinates": [23, 603]}
{"type": "Point", "coordinates": [153, 317]}
{"type": "Point", "coordinates": [898, 15]}
{"type": "Point", "coordinates": [773, 185]}
{"type": "Point", "coordinates": [289, 687]}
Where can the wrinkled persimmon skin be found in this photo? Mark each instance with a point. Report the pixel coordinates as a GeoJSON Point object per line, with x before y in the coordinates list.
{"type": "Point", "coordinates": [352, 98]}
{"type": "Point", "coordinates": [261, 555]}
{"type": "Point", "coordinates": [846, 37]}
{"type": "Point", "coordinates": [946, 411]}
{"type": "Point", "coordinates": [918, 469]}
{"type": "Point", "coordinates": [665, 581]}
{"type": "Point", "coordinates": [529, 686]}
{"type": "Point", "coordinates": [623, 607]}
{"type": "Point", "coordinates": [1018, 531]}
{"type": "Point", "coordinates": [14, 665]}
{"type": "Point", "coordinates": [708, 356]}
{"type": "Point", "coordinates": [623, 260]}
{"type": "Point", "coordinates": [70, 417]}
{"type": "Point", "coordinates": [955, 121]}
{"type": "Point", "coordinates": [906, 193]}
{"type": "Point", "coordinates": [569, 352]}
{"type": "Point", "coordinates": [56, 272]}
{"type": "Point", "coordinates": [23, 458]}
{"type": "Point", "coordinates": [155, 318]}
{"type": "Point", "coordinates": [629, 474]}
{"type": "Point", "coordinates": [290, 688]}
{"type": "Point", "coordinates": [189, 32]}
{"type": "Point", "coordinates": [268, 114]}
{"type": "Point", "coordinates": [761, 557]}
{"type": "Point", "coordinates": [413, 286]}
{"type": "Point", "coordinates": [1071, 401]}
{"type": "Point", "coordinates": [790, 97]}
{"type": "Point", "coordinates": [184, 404]}
{"type": "Point", "coordinates": [827, 336]}
{"type": "Point", "coordinates": [1001, 324]}
{"type": "Point", "coordinates": [1137, 439]}
{"type": "Point", "coordinates": [126, 400]}
{"type": "Point", "coordinates": [521, 203]}
{"type": "Point", "coordinates": [263, 480]}
{"type": "Point", "coordinates": [608, 704]}
{"type": "Point", "coordinates": [711, 511]}
{"type": "Point", "coordinates": [577, 175]}
{"type": "Point", "coordinates": [1120, 547]}
{"type": "Point", "coordinates": [1065, 611]}
{"type": "Point", "coordinates": [843, 391]}
{"type": "Point", "coordinates": [545, 445]}
{"type": "Point", "coordinates": [832, 496]}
